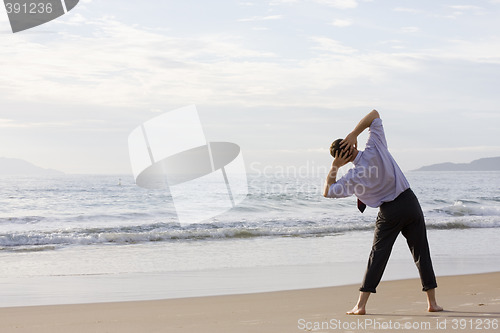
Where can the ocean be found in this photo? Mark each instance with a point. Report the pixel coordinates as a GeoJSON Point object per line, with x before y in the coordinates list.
{"type": "Point", "coordinates": [92, 238]}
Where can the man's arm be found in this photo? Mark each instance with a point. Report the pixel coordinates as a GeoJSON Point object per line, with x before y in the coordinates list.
{"type": "Point", "coordinates": [331, 178]}
{"type": "Point", "coordinates": [351, 140]}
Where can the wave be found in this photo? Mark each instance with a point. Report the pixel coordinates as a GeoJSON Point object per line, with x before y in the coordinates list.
{"type": "Point", "coordinates": [452, 225]}
{"type": "Point", "coordinates": [160, 232]}
{"type": "Point", "coordinates": [29, 248]}
{"type": "Point", "coordinates": [43, 240]}
{"type": "Point", "coordinates": [469, 208]}
{"type": "Point", "coordinates": [21, 220]}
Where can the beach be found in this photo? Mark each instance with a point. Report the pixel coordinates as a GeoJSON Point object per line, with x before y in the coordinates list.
{"type": "Point", "coordinates": [164, 166]}
{"type": "Point", "coordinates": [83, 254]}
{"type": "Point", "coordinates": [471, 303]}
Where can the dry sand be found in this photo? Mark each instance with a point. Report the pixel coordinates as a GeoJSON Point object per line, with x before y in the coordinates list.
{"type": "Point", "coordinates": [471, 302]}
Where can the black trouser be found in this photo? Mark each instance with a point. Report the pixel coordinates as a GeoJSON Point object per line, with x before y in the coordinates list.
{"type": "Point", "coordinates": [403, 214]}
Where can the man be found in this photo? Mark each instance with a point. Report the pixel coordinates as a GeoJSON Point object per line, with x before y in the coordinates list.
{"type": "Point", "coordinates": [377, 181]}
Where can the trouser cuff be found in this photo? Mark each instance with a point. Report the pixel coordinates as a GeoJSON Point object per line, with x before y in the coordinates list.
{"type": "Point", "coordinates": [426, 288]}
{"type": "Point", "coordinates": [368, 290]}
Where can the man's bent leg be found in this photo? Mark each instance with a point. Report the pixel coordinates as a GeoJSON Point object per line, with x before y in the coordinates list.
{"type": "Point", "coordinates": [386, 233]}
{"type": "Point", "coordinates": [416, 238]}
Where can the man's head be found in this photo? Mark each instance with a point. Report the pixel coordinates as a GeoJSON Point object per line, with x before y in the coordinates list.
{"type": "Point", "coordinates": [335, 147]}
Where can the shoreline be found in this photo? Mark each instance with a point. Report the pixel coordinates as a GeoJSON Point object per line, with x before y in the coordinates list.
{"type": "Point", "coordinates": [468, 299]}
{"type": "Point", "coordinates": [79, 275]}
{"type": "Point", "coordinates": [130, 287]}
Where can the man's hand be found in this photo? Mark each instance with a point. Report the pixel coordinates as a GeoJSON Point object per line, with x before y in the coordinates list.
{"type": "Point", "coordinates": [350, 142]}
{"type": "Point", "coordinates": [341, 159]}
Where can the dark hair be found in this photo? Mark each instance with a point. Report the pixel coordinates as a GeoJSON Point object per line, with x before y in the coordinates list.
{"type": "Point", "coordinates": [335, 147]}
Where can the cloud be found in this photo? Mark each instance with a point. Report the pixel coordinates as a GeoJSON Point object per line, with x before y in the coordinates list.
{"type": "Point", "coordinates": [459, 10]}
{"type": "Point", "coordinates": [407, 10]}
{"type": "Point", "coordinates": [465, 7]}
{"type": "Point", "coordinates": [471, 149]}
{"type": "Point", "coordinates": [481, 51]}
{"type": "Point", "coordinates": [342, 23]}
{"type": "Point", "coordinates": [11, 123]}
{"type": "Point", "coordinates": [76, 19]}
{"type": "Point", "coordinates": [117, 66]}
{"type": "Point", "coordinates": [410, 29]}
{"type": "Point", "coordinates": [278, 2]}
{"type": "Point", "coordinates": [342, 4]}
{"type": "Point", "coordinates": [485, 50]}
{"type": "Point", "coordinates": [121, 65]}
{"type": "Point", "coordinates": [261, 18]}
{"type": "Point", "coordinates": [393, 43]}
{"type": "Point", "coordinates": [332, 46]}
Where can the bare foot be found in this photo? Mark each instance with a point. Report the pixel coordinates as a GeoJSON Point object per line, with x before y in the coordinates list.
{"type": "Point", "coordinates": [357, 311]}
{"type": "Point", "coordinates": [435, 308]}
{"type": "Point", "coordinates": [431, 301]}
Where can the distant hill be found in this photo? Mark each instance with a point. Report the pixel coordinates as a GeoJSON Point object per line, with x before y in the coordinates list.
{"type": "Point", "coordinates": [18, 167]}
{"type": "Point", "coordinates": [483, 164]}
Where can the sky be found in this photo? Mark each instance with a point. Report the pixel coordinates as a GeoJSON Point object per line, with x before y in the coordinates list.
{"type": "Point", "coordinates": [281, 78]}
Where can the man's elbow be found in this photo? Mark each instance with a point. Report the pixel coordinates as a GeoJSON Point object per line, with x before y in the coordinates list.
{"type": "Point", "coordinates": [375, 114]}
{"type": "Point", "coordinates": [326, 191]}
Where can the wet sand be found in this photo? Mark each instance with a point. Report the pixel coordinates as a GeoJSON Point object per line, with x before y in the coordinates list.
{"type": "Point", "coordinates": [471, 302]}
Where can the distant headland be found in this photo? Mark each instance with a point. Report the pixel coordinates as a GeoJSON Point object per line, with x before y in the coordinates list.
{"type": "Point", "coordinates": [483, 164]}
{"type": "Point", "coordinates": [18, 167]}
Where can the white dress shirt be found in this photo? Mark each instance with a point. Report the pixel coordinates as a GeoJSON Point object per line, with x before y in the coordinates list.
{"type": "Point", "coordinates": [376, 177]}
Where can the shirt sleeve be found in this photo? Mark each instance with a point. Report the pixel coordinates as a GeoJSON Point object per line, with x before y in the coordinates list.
{"type": "Point", "coordinates": [344, 187]}
{"type": "Point", "coordinates": [377, 134]}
